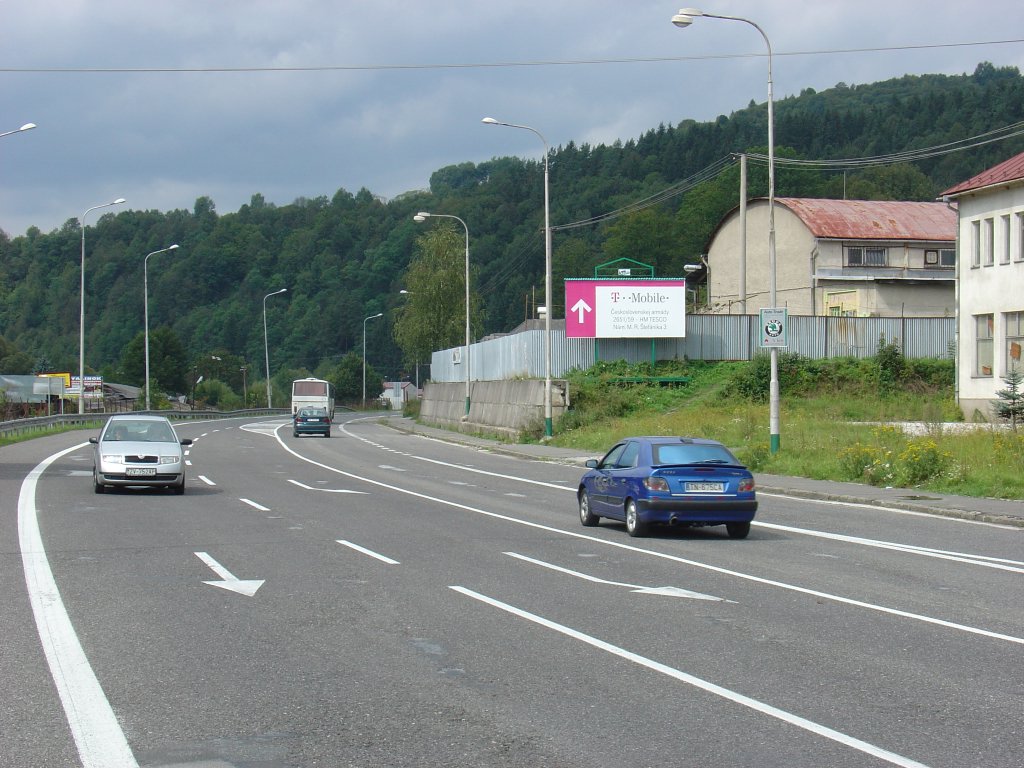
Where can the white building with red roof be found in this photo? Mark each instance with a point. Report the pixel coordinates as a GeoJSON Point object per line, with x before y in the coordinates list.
{"type": "Point", "coordinates": [990, 328]}
{"type": "Point", "coordinates": [855, 258]}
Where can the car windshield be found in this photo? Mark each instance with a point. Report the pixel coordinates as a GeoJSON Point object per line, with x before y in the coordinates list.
{"type": "Point", "coordinates": [691, 453]}
{"type": "Point", "coordinates": [307, 412]}
{"type": "Point", "coordinates": [140, 431]}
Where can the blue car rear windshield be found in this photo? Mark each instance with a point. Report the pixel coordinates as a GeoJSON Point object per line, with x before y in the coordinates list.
{"type": "Point", "coordinates": [684, 453]}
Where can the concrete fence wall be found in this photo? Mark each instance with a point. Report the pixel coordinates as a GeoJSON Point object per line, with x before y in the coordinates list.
{"type": "Point", "coordinates": [509, 407]}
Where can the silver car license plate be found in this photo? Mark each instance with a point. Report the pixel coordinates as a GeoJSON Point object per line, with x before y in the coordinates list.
{"type": "Point", "coordinates": [140, 471]}
{"type": "Point", "coordinates": [705, 487]}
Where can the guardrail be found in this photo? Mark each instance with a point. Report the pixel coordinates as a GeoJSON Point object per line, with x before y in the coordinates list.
{"type": "Point", "coordinates": [43, 424]}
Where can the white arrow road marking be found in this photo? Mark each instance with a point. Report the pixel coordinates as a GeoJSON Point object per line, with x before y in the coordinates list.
{"type": "Point", "coordinates": [228, 581]}
{"type": "Point", "coordinates": [369, 552]}
{"type": "Point", "coordinates": [667, 591]}
{"type": "Point", "coordinates": [323, 490]}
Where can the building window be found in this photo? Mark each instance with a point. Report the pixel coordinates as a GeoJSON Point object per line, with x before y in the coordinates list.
{"type": "Point", "coordinates": [1014, 341]}
{"type": "Point", "coordinates": [947, 257]}
{"type": "Point", "coordinates": [988, 242]}
{"type": "Point", "coordinates": [975, 243]}
{"type": "Point", "coordinates": [1020, 237]}
{"type": "Point", "coordinates": [866, 257]}
{"type": "Point", "coordinates": [1004, 252]}
{"type": "Point", "coordinates": [983, 345]}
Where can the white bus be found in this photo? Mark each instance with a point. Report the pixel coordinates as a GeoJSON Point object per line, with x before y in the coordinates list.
{"type": "Point", "coordinates": [312, 392]}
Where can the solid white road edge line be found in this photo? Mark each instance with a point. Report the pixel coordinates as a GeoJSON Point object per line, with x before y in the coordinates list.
{"type": "Point", "coordinates": [101, 742]}
{"type": "Point", "coordinates": [704, 685]}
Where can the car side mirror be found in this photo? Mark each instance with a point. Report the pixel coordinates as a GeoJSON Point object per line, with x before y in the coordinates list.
{"type": "Point", "coordinates": [591, 464]}
{"type": "Point", "coordinates": [186, 441]}
{"type": "Point", "coordinates": [94, 440]}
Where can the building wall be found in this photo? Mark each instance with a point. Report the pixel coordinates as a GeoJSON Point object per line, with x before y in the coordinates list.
{"type": "Point", "coordinates": [992, 287]}
{"type": "Point", "coordinates": [808, 270]}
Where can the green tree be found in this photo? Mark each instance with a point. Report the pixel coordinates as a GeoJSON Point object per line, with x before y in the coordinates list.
{"type": "Point", "coordinates": [434, 317]}
{"type": "Point", "coordinates": [1010, 403]}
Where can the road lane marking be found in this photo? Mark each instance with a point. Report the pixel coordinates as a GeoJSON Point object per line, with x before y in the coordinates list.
{"type": "Point", "coordinates": [669, 591]}
{"type": "Point", "coordinates": [370, 552]}
{"type": "Point", "coordinates": [98, 736]}
{"type": "Point", "coordinates": [254, 505]}
{"type": "Point", "coordinates": [206, 480]}
{"type": "Point", "coordinates": [324, 490]}
{"type": "Point", "coordinates": [663, 555]}
{"type": "Point", "coordinates": [1001, 563]}
{"type": "Point", "coordinates": [229, 581]}
{"type": "Point", "coordinates": [737, 698]}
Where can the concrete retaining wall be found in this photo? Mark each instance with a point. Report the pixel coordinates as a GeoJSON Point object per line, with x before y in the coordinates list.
{"type": "Point", "coordinates": [508, 407]}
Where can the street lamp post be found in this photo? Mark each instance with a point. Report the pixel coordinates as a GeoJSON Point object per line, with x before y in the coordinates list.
{"type": "Point", "coordinates": [81, 309]}
{"type": "Point", "coordinates": [684, 18]}
{"type": "Point", "coordinates": [145, 303]}
{"type": "Point", "coordinates": [245, 394]}
{"type": "Point", "coordinates": [25, 127]}
{"type": "Point", "coordinates": [423, 216]}
{"type": "Point", "coordinates": [371, 317]}
{"type": "Point", "coordinates": [266, 343]}
{"type": "Point", "coordinates": [547, 273]}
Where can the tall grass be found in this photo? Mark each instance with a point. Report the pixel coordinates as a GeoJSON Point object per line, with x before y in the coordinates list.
{"type": "Point", "coordinates": [840, 420]}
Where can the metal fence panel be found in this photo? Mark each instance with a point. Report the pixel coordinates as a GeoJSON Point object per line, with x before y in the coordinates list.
{"type": "Point", "coordinates": [708, 337]}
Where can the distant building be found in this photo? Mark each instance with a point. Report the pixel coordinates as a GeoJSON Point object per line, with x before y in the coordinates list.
{"type": "Point", "coordinates": [990, 328]}
{"type": "Point", "coordinates": [854, 258]}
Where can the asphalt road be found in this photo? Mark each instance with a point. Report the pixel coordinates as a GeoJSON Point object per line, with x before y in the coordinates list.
{"type": "Point", "coordinates": [383, 599]}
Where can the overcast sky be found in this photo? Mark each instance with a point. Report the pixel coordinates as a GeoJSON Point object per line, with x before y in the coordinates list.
{"type": "Point", "coordinates": [161, 102]}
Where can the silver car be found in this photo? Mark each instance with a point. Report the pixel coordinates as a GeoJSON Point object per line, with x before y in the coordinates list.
{"type": "Point", "coordinates": [138, 450]}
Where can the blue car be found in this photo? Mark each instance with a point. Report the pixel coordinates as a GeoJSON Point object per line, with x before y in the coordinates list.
{"type": "Point", "coordinates": [311, 421]}
{"type": "Point", "coordinates": [679, 481]}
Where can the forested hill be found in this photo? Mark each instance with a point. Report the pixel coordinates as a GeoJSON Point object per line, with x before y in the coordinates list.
{"type": "Point", "coordinates": [344, 259]}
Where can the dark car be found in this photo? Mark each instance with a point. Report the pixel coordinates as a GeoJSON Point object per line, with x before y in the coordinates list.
{"type": "Point", "coordinates": [684, 481]}
{"type": "Point", "coordinates": [311, 421]}
{"type": "Point", "coordinates": [138, 451]}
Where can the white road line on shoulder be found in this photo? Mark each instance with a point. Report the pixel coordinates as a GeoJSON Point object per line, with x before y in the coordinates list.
{"type": "Point", "coordinates": [883, 508]}
{"type": "Point", "coordinates": [737, 698]}
{"type": "Point", "coordinates": [369, 552]}
{"type": "Point", "coordinates": [101, 742]}
{"type": "Point", "coordinates": [662, 555]}
{"type": "Point", "coordinates": [1000, 563]}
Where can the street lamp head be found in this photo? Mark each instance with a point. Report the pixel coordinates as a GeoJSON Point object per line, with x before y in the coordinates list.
{"type": "Point", "coordinates": [490, 121]}
{"type": "Point", "coordinates": [686, 16]}
{"type": "Point", "coordinates": [421, 216]}
{"type": "Point", "coordinates": [119, 201]}
{"type": "Point", "coordinates": [379, 314]}
{"type": "Point", "coordinates": [688, 268]}
{"type": "Point", "coordinates": [27, 127]}
{"type": "Point", "coordinates": [173, 247]}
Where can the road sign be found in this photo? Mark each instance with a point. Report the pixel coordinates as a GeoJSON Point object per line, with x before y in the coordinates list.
{"type": "Point", "coordinates": [774, 328]}
{"type": "Point", "coordinates": [621, 309]}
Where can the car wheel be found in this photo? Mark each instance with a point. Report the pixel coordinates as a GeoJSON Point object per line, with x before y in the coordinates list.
{"type": "Point", "coordinates": [587, 517]}
{"type": "Point", "coordinates": [738, 530]}
{"type": "Point", "coordinates": [634, 525]}
{"type": "Point", "coordinates": [327, 433]}
{"type": "Point", "coordinates": [97, 486]}
{"type": "Point", "coordinates": [179, 490]}
{"type": "Point", "coordinates": [295, 433]}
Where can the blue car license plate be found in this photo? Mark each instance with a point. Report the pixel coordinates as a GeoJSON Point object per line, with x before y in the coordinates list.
{"type": "Point", "coordinates": [705, 487]}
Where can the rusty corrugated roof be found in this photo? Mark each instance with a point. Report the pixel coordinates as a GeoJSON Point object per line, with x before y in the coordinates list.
{"type": "Point", "coordinates": [1004, 173]}
{"type": "Point", "coordinates": [874, 219]}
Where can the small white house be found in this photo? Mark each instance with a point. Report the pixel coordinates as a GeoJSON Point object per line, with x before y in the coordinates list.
{"type": "Point", "coordinates": [990, 283]}
{"type": "Point", "coordinates": [857, 258]}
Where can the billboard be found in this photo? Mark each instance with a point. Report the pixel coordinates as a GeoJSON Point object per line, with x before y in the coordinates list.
{"type": "Point", "coordinates": [633, 308]}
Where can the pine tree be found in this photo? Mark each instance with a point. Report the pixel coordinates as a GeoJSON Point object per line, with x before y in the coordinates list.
{"type": "Point", "coordinates": [1010, 405]}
